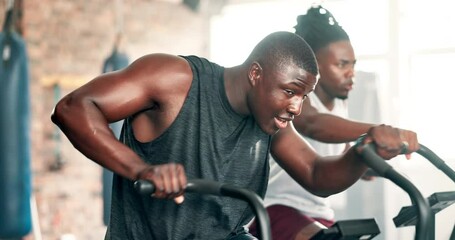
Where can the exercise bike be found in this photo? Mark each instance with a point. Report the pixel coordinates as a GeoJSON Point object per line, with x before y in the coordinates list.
{"type": "Point", "coordinates": [422, 212]}
{"type": "Point", "coordinates": [354, 229]}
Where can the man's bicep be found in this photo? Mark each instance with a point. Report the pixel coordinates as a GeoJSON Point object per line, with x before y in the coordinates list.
{"type": "Point", "coordinates": [149, 82]}
{"type": "Point", "coordinates": [116, 95]}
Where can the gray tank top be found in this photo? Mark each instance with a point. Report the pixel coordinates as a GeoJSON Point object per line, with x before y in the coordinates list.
{"type": "Point", "coordinates": [212, 142]}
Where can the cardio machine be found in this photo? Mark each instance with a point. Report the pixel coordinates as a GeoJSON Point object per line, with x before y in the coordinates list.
{"type": "Point", "coordinates": [354, 229]}
{"type": "Point", "coordinates": [215, 188]}
{"type": "Point", "coordinates": [421, 213]}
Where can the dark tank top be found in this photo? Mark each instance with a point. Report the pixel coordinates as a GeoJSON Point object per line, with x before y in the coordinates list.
{"type": "Point", "coordinates": [212, 142]}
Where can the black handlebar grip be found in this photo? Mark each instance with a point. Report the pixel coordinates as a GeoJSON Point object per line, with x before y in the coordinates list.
{"type": "Point", "coordinates": [436, 161]}
{"type": "Point", "coordinates": [144, 187]}
{"type": "Point", "coordinates": [218, 189]}
{"type": "Point", "coordinates": [374, 161]}
{"type": "Point", "coordinates": [204, 186]}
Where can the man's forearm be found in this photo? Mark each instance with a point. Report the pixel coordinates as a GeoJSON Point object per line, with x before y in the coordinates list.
{"type": "Point", "coordinates": [337, 173]}
{"type": "Point", "coordinates": [332, 129]}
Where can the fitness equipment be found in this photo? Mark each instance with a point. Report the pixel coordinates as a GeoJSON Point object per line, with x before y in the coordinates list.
{"type": "Point", "coordinates": [214, 188]}
{"type": "Point", "coordinates": [452, 236]}
{"type": "Point", "coordinates": [421, 210]}
{"type": "Point", "coordinates": [437, 201]}
{"type": "Point", "coordinates": [15, 173]}
{"type": "Point", "coordinates": [436, 161]}
{"type": "Point", "coordinates": [421, 214]}
{"type": "Point", "coordinates": [364, 229]}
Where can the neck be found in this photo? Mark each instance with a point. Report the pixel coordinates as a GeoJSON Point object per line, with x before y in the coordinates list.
{"type": "Point", "coordinates": [326, 99]}
{"type": "Point", "coordinates": [236, 85]}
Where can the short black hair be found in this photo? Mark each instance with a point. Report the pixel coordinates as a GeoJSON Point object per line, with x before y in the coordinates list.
{"type": "Point", "coordinates": [283, 48]}
{"type": "Point", "coordinates": [319, 28]}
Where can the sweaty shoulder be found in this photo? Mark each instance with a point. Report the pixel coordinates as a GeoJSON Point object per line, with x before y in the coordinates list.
{"type": "Point", "coordinates": [164, 76]}
{"type": "Point", "coordinates": [166, 80]}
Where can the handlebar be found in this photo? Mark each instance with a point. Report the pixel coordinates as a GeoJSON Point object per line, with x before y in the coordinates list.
{"type": "Point", "coordinates": [436, 161]}
{"type": "Point", "coordinates": [426, 218]}
{"type": "Point", "coordinates": [214, 188]}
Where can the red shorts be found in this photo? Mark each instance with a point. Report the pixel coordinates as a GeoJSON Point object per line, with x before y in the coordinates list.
{"type": "Point", "coordinates": [286, 222]}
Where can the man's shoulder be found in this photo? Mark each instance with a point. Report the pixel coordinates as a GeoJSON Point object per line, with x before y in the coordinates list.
{"type": "Point", "coordinates": [198, 60]}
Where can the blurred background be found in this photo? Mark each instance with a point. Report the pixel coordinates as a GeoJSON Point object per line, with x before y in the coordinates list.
{"type": "Point", "coordinates": [405, 56]}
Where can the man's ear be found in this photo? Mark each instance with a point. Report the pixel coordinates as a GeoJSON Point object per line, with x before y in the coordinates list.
{"type": "Point", "coordinates": [255, 73]}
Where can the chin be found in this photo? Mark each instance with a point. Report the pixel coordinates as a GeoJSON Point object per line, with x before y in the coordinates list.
{"type": "Point", "coordinates": [270, 130]}
{"type": "Point", "coordinates": [343, 97]}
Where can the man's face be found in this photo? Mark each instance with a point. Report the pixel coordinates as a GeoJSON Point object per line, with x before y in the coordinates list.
{"type": "Point", "coordinates": [336, 68]}
{"type": "Point", "coordinates": [277, 95]}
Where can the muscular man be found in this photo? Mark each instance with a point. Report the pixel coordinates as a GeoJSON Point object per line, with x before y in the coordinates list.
{"type": "Point", "coordinates": [186, 117]}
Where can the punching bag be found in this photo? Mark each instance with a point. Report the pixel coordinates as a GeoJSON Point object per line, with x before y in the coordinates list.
{"type": "Point", "coordinates": [115, 61]}
{"type": "Point", "coordinates": [15, 173]}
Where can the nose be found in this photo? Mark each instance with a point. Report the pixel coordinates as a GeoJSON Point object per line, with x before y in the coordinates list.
{"type": "Point", "coordinates": [350, 73]}
{"type": "Point", "coordinates": [295, 107]}
{"type": "Point", "coordinates": [349, 76]}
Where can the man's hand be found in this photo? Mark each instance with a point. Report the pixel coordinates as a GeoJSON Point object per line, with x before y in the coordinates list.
{"type": "Point", "coordinates": [169, 180]}
{"type": "Point", "coordinates": [390, 141]}
{"type": "Point", "coordinates": [410, 142]}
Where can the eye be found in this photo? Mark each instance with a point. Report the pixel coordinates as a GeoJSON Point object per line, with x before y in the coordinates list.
{"type": "Point", "coordinates": [304, 97]}
{"type": "Point", "coordinates": [346, 64]}
{"type": "Point", "coordinates": [342, 65]}
{"type": "Point", "coordinates": [289, 92]}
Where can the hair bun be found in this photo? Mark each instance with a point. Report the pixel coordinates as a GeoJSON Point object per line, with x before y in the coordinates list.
{"type": "Point", "coordinates": [319, 28]}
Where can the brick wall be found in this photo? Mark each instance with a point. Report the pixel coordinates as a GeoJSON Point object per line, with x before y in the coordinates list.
{"type": "Point", "coordinates": [67, 42]}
